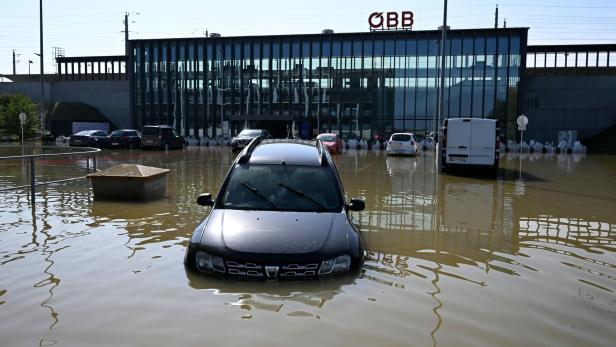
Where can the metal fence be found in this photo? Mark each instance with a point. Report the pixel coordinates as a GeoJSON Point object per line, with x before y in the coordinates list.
{"type": "Point", "coordinates": [30, 159]}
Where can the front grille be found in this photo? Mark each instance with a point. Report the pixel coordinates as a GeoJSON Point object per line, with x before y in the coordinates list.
{"type": "Point", "coordinates": [285, 271]}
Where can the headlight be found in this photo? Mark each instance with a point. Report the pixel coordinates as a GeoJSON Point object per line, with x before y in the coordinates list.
{"type": "Point", "coordinates": [209, 263]}
{"type": "Point", "coordinates": [334, 266]}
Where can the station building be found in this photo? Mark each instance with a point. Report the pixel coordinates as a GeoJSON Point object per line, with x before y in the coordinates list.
{"type": "Point", "coordinates": [354, 84]}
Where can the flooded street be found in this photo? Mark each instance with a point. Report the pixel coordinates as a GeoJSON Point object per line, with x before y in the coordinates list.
{"type": "Point", "coordinates": [527, 259]}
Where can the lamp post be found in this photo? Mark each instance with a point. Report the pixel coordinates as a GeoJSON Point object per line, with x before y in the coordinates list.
{"type": "Point", "coordinates": [41, 101]}
{"type": "Point", "coordinates": [441, 94]}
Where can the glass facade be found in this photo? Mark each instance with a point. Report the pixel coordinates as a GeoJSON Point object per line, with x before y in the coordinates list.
{"type": "Point", "coordinates": [357, 85]}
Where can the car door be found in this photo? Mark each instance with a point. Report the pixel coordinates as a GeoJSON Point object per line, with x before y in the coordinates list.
{"type": "Point", "coordinates": [101, 138]}
{"type": "Point", "coordinates": [483, 143]}
{"type": "Point", "coordinates": [459, 140]}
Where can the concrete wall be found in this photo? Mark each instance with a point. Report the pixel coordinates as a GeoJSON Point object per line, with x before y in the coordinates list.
{"type": "Point", "coordinates": [568, 102]}
{"type": "Point", "coordinates": [110, 97]}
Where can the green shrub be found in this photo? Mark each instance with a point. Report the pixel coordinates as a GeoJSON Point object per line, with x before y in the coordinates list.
{"type": "Point", "coordinates": [11, 105]}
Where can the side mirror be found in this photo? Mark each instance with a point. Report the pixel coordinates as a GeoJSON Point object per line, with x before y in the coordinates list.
{"type": "Point", "coordinates": [205, 199]}
{"type": "Point", "coordinates": [356, 205]}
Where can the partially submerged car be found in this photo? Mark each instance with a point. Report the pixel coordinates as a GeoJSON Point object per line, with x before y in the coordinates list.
{"type": "Point", "coordinates": [280, 214]}
{"type": "Point", "coordinates": [402, 144]}
{"type": "Point", "coordinates": [161, 137]}
{"type": "Point", "coordinates": [89, 138]}
{"type": "Point", "coordinates": [125, 138]}
{"type": "Point", "coordinates": [332, 142]}
{"type": "Point", "coordinates": [246, 136]}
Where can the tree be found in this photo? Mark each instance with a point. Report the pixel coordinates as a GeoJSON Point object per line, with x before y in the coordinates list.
{"type": "Point", "coordinates": [11, 105]}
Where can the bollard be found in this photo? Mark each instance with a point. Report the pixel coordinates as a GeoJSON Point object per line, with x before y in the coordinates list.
{"type": "Point", "coordinates": [94, 162]}
{"type": "Point", "coordinates": [88, 165]}
{"type": "Point", "coordinates": [32, 179]}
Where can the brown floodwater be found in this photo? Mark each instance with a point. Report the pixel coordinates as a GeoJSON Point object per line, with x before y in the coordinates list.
{"type": "Point", "coordinates": [526, 259]}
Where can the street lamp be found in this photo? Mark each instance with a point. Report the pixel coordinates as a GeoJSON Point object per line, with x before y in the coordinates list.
{"type": "Point", "coordinates": [41, 101]}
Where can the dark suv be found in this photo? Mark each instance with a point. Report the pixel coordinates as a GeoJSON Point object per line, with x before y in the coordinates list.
{"type": "Point", "coordinates": [245, 136]}
{"type": "Point", "coordinates": [125, 138]}
{"type": "Point", "coordinates": [160, 136]}
{"type": "Point", "coordinates": [280, 214]}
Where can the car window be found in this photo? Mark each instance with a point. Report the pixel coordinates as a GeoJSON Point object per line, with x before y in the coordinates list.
{"type": "Point", "coordinates": [84, 133]}
{"type": "Point", "coordinates": [401, 137]}
{"type": "Point", "coordinates": [100, 133]}
{"type": "Point", "coordinates": [328, 138]}
{"type": "Point", "coordinates": [175, 133]}
{"type": "Point", "coordinates": [117, 133]}
{"type": "Point", "coordinates": [317, 183]}
{"type": "Point", "coordinates": [131, 133]}
{"type": "Point", "coordinates": [250, 133]}
{"type": "Point", "coordinates": [150, 131]}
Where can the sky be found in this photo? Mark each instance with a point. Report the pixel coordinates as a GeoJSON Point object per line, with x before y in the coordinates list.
{"type": "Point", "coordinates": [94, 27]}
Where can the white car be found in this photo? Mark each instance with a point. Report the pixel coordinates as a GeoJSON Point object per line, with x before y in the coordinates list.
{"type": "Point", "coordinates": [402, 144]}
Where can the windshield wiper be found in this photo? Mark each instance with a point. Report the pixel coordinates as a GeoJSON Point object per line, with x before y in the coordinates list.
{"type": "Point", "coordinates": [300, 193]}
{"type": "Point", "coordinates": [257, 193]}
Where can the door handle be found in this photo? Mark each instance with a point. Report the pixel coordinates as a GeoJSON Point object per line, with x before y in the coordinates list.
{"type": "Point", "coordinates": [462, 147]}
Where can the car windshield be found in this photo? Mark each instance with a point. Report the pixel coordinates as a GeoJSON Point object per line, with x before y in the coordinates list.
{"type": "Point", "coordinates": [281, 187]}
{"type": "Point", "coordinates": [328, 138]}
{"type": "Point", "coordinates": [249, 133]}
{"type": "Point", "coordinates": [117, 133]}
{"type": "Point", "coordinates": [401, 137]}
{"type": "Point", "coordinates": [150, 131]}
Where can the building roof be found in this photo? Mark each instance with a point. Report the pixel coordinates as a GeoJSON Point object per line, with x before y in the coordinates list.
{"type": "Point", "coordinates": [386, 33]}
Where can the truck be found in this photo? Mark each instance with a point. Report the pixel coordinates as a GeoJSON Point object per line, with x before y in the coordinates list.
{"type": "Point", "coordinates": [469, 142]}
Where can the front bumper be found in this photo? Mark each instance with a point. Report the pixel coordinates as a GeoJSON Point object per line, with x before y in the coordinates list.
{"type": "Point", "coordinates": [214, 265]}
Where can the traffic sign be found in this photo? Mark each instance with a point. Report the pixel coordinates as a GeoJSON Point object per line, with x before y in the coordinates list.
{"type": "Point", "coordinates": [22, 118]}
{"type": "Point", "coordinates": [522, 122]}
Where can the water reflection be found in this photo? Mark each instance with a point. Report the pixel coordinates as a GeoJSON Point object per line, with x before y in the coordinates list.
{"type": "Point", "coordinates": [274, 296]}
{"type": "Point", "coordinates": [440, 248]}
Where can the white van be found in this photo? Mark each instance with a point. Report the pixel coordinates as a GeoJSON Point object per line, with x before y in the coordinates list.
{"type": "Point", "coordinates": [469, 142]}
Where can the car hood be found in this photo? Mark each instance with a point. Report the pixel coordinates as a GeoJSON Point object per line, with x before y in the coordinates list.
{"type": "Point", "coordinates": [274, 232]}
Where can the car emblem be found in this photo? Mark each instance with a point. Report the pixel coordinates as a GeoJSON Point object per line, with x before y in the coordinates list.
{"type": "Point", "coordinates": [271, 271]}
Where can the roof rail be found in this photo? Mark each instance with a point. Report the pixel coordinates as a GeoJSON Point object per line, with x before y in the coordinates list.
{"type": "Point", "coordinates": [245, 156]}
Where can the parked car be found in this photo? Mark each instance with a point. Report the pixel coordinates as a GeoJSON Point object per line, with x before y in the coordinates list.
{"type": "Point", "coordinates": [245, 136]}
{"type": "Point", "coordinates": [469, 142]}
{"type": "Point", "coordinates": [125, 138]}
{"type": "Point", "coordinates": [161, 137]}
{"type": "Point", "coordinates": [332, 142]}
{"type": "Point", "coordinates": [402, 144]}
{"type": "Point", "coordinates": [89, 138]}
{"type": "Point", "coordinates": [280, 213]}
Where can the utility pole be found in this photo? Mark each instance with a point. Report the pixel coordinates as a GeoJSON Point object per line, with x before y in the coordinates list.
{"type": "Point", "coordinates": [15, 61]}
{"type": "Point", "coordinates": [41, 101]}
{"type": "Point", "coordinates": [505, 23]}
{"type": "Point", "coordinates": [496, 18]}
{"type": "Point", "coordinates": [126, 34]}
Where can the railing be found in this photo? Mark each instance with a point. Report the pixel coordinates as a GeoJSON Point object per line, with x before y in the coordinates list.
{"type": "Point", "coordinates": [90, 153]}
